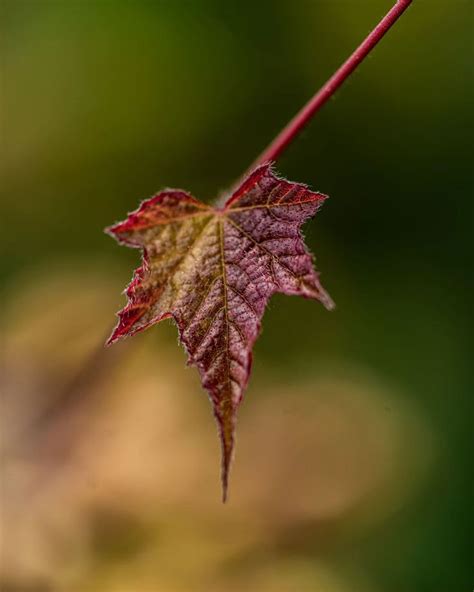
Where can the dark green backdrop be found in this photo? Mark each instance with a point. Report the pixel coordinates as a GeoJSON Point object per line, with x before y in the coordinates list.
{"type": "Point", "coordinates": [105, 102]}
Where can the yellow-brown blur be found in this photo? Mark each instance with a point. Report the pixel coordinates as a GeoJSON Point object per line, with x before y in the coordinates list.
{"type": "Point", "coordinates": [351, 471]}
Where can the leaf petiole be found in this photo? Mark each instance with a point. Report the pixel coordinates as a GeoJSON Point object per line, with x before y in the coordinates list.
{"type": "Point", "coordinates": [302, 118]}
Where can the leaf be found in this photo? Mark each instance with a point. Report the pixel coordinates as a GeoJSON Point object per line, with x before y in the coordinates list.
{"type": "Point", "coordinates": [213, 271]}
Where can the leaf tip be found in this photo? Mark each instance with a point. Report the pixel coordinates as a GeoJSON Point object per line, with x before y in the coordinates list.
{"type": "Point", "coordinates": [224, 493]}
{"type": "Point", "coordinates": [112, 230]}
{"type": "Point", "coordinates": [326, 300]}
{"type": "Point", "coordinates": [112, 339]}
{"type": "Point", "coordinates": [226, 462]}
{"type": "Point", "coordinates": [226, 422]}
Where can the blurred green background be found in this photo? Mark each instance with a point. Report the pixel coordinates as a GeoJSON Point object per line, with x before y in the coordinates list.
{"type": "Point", "coordinates": [353, 461]}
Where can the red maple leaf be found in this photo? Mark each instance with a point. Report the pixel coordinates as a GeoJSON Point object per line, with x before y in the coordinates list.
{"type": "Point", "coordinates": [213, 270]}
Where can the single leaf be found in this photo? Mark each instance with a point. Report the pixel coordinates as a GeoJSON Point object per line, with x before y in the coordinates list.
{"type": "Point", "coordinates": [213, 270]}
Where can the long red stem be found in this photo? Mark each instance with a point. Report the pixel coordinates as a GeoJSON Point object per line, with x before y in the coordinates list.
{"type": "Point", "coordinates": [301, 119]}
{"type": "Point", "coordinates": [288, 134]}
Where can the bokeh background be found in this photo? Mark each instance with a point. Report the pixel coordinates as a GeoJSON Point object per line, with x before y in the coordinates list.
{"type": "Point", "coordinates": [352, 469]}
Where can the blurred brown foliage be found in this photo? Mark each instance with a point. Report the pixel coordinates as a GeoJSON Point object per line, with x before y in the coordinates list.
{"type": "Point", "coordinates": [111, 484]}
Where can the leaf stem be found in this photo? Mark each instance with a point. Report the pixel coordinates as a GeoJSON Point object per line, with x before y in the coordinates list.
{"type": "Point", "coordinates": [302, 118]}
